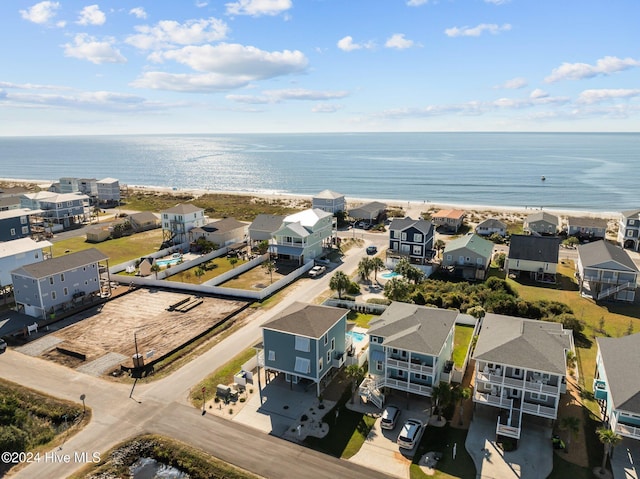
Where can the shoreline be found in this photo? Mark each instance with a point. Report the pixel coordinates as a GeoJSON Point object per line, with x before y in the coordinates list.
{"type": "Point", "coordinates": [411, 208]}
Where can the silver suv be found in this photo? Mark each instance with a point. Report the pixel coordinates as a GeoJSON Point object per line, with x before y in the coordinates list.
{"type": "Point", "coordinates": [410, 433]}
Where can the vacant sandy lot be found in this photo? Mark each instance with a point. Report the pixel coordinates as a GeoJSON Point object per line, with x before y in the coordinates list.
{"type": "Point", "coordinates": [110, 329]}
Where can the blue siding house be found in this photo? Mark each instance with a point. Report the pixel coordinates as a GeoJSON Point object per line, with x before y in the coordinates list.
{"type": "Point", "coordinates": [616, 386]}
{"type": "Point", "coordinates": [409, 348]}
{"type": "Point", "coordinates": [15, 224]}
{"type": "Point", "coordinates": [305, 341]}
{"type": "Point", "coordinates": [410, 239]}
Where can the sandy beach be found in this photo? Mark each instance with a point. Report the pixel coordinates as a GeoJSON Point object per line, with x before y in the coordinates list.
{"type": "Point", "coordinates": [410, 208]}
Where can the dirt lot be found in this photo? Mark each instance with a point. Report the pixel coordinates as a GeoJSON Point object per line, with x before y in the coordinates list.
{"type": "Point", "coordinates": [110, 329]}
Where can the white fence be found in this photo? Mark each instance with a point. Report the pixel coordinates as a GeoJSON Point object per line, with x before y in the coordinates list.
{"type": "Point", "coordinates": [356, 306]}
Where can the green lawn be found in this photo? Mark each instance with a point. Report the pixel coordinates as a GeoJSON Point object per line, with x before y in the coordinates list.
{"type": "Point", "coordinates": [118, 250]}
{"type": "Point", "coordinates": [442, 439]}
{"type": "Point", "coordinates": [461, 341]}
{"type": "Point", "coordinates": [218, 266]}
{"type": "Point", "coordinates": [360, 319]}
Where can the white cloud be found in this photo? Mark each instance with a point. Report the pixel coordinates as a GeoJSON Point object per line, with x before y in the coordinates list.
{"type": "Point", "coordinates": [326, 108]}
{"type": "Point", "coordinates": [478, 30]}
{"type": "Point", "coordinates": [201, 4]}
{"type": "Point", "coordinates": [397, 40]}
{"type": "Point", "coordinates": [257, 8]}
{"type": "Point", "coordinates": [138, 12]}
{"type": "Point", "coordinates": [538, 93]}
{"type": "Point", "coordinates": [41, 12]}
{"type": "Point", "coordinates": [416, 3]}
{"type": "Point", "coordinates": [278, 96]}
{"type": "Point", "coordinates": [86, 47]}
{"type": "Point", "coordinates": [600, 95]}
{"type": "Point", "coordinates": [167, 33]}
{"type": "Point", "coordinates": [92, 15]}
{"type": "Point", "coordinates": [497, 2]}
{"type": "Point", "coordinates": [513, 84]}
{"type": "Point", "coordinates": [346, 44]}
{"type": "Point", "coordinates": [30, 86]}
{"type": "Point", "coordinates": [579, 71]}
{"type": "Point", "coordinates": [226, 66]}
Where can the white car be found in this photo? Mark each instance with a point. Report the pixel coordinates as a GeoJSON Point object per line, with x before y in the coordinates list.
{"type": "Point", "coordinates": [410, 433]}
{"type": "Point", "coordinates": [317, 271]}
{"type": "Point", "coordinates": [390, 417]}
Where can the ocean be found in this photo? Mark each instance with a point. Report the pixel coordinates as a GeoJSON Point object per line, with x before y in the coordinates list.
{"type": "Point", "coordinates": [582, 171]}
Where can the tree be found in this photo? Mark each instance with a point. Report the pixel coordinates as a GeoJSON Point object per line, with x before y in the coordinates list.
{"type": "Point", "coordinates": [571, 424]}
{"type": "Point", "coordinates": [501, 259]}
{"type": "Point", "coordinates": [233, 261]}
{"type": "Point", "coordinates": [409, 271]}
{"type": "Point", "coordinates": [609, 439]}
{"type": "Point", "coordinates": [462, 394]}
{"type": "Point", "coordinates": [364, 268]}
{"type": "Point", "coordinates": [96, 212]}
{"type": "Point", "coordinates": [439, 246]}
{"type": "Point", "coordinates": [269, 267]}
{"type": "Point", "coordinates": [376, 265]}
{"type": "Point", "coordinates": [199, 272]}
{"type": "Point", "coordinates": [339, 282]}
{"type": "Point", "coordinates": [397, 289]}
{"type": "Point", "coordinates": [155, 267]}
{"type": "Point", "coordinates": [442, 394]}
{"type": "Point", "coordinates": [355, 373]}
{"type": "Point", "coordinates": [263, 247]}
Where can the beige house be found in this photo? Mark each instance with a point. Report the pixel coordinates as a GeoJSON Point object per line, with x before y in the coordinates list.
{"type": "Point", "coordinates": [143, 221]}
{"type": "Point", "coordinates": [542, 223]}
{"type": "Point", "coordinates": [97, 234]}
{"type": "Point", "coordinates": [222, 232]}
{"type": "Point", "coordinates": [534, 256]}
{"type": "Point", "coordinates": [451, 220]}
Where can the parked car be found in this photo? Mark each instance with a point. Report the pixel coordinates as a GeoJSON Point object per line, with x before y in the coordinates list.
{"type": "Point", "coordinates": [3, 346]}
{"type": "Point", "coordinates": [317, 271]}
{"type": "Point", "coordinates": [372, 250]}
{"type": "Point", "coordinates": [362, 224]}
{"type": "Point", "coordinates": [390, 417]}
{"type": "Point", "coordinates": [410, 433]}
{"type": "Point", "coordinates": [324, 260]}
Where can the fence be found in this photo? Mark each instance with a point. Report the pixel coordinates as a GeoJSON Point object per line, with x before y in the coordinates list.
{"type": "Point", "coordinates": [356, 306]}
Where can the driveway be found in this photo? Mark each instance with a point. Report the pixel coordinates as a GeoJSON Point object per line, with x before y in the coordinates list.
{"type": "Point", "coordinates": [532, 460]}
{"type": "Point", "coordinates": [625, 459]}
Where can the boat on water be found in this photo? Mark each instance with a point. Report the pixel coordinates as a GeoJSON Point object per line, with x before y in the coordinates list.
{"type": "Point", "coordinates": [542, 178]}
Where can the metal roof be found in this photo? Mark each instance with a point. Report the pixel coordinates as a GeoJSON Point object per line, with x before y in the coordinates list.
{"type": "Point", "coordinates": [309, 320]}
{"type": "Point", "coordinates": [44, 269]}
{"type": "Point", "coordinates": [621, 360]}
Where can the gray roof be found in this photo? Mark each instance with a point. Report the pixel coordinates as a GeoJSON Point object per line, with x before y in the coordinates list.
{"type": "Point", "coordinates": [70, 261]}
{"type": "Point", "coordinates": [604, 255]}
{"type": "Point", "coordinates": [420, 329]}
{"type": "Point", "coordinates": [367, 208]}
{"type": "Point", "coordinates": [309, 320]}
{"type": "Point", "coordinates": [472, 242]}
{"type": "Point", "coordinates": [143, 217]}
{"type": "Point", "coordinates": [542, 216]}
{"type": "Point", "coordinates": [17, 212]}
{"type": "Point", "coordinates": [587, 222]}
{"type": "Point", "coordinates": [9, 201]}
{"type": "Point", "coordinates": [224, 225]}
{"type": "Point", "coordinates": [183, 209]}
{"type": "Point", "coordinates": [492, 223]}
{"type": "Point", "coordinates": [401, 224]}
{"type": "Point", "coordinates": [621, 360]}
{"type": "Point", "coordinates": [631, 213]}
{"type": "Point", "coordinates": [534, 248]}
{"type": "Point", "coordinates": [268, 223]}
{"type": "Point", "coordinates": [523, 343]}
{"type": "Point", "coordinates": [328, 195]}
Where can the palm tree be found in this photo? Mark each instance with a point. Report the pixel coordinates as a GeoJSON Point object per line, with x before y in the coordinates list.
{"type": "Point", "coordinates": [609, 439]}
{"type": "Point", "coordinates": [339, 282]}
{"type": "Point", "coordinates": [233, 261]}
{"type": "Point", "coordinates": [571, 424]}
{"type": "Point", "coordinates": [462, 395]}
{"type": "Point", "coordinates": [364, 268]}
{"type": "Point", "coordinates": [356, 373]}
{"type": "Point", "coordinates": [442, 394]}
{"type": "Point", "coordinates": [439, 246]}
{"type": "Point", "coordinates": [269, 267]}
{"type": "Point", "coordinates": [96, 212]}
{"type": "Point", "coordinates": [155, 267]}
{"type": "Point", "coordinates": [199, 272]}
{"type": "Point", "coordinates": [397, 289]}
{"type": "Point", "coordinates": [376, 265]}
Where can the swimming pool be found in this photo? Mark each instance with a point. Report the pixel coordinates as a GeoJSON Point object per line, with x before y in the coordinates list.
{"type": "Point", "coordinates": [359, 337]}
{"type": "Point", "coordinates": [390, 274]}
{"type": "Point", "coordinates": [165, 262]}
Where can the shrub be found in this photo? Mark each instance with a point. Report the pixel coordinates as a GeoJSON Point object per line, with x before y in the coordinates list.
{"type": "Point", "coordinates": [354, 288]}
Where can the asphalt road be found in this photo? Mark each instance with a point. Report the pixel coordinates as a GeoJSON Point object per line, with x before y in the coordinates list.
{"type": "Point", "coordinates": [162, 406]}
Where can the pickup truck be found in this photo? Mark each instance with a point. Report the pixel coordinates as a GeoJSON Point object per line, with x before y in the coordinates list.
{"type": "Point", "coordinates": [317, 271]}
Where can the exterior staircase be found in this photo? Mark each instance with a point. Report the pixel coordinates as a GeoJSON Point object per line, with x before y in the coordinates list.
{"type": "Point", "coordinates": [608, 292]}
{"type": "Point", "coordinates": [370, 391]}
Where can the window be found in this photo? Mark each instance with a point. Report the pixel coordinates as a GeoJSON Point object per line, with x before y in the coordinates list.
{"type": "Point", "coordinates": [61, 276]}
{"type": "Point", "coordinates": [25, 230]}
{"type": "Point", "coordinates": [53, 295]}
{"type": "Point", "coordinates": [479, 260]}
{"type": "Point", "coordinates": [449, 257]}
{"type": "Point", "coordinates": [326, 338]}
{"type": "Point", "coordinates": [23, 220]}
{"type": "Point", "coordinates": [539, 397]}
{"type": "Point", "coordinates": [320, 364]}
{"type": "Point", "coordinates": [303, 365]}
{"type": "Point", "coordinates": [13, 231]}
{"type": "Point", "coordinates": [517, 373]}
{"type": "Point", "coordinates": [303, 344]}
{"type": "Point", "coordinates": [272, 355]}
{"type": "Point", "coordinates": [417, 249]}
{"type": "Point", "coordinates": [403, 236]}
{"type": "Point", "coordinates": [65, 291]}
{"type": "Point", "coordinates": [400, 373]}
{"type": "Point", "coordinates": [328, 357]}
{"type": "Point", "coordinates": [378, 365]}
{"type": "Point", "coordinates": [50, 279]}
{"type": "Point", "coordinates": [333, 344]}
{"type": "Point", "coordinates": [417, 238]}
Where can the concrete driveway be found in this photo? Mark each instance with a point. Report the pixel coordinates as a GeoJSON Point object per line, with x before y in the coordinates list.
{"type": "Point", "coordinates": [625, 459]}
{"type": "Point", "coordinates": [532, 460]}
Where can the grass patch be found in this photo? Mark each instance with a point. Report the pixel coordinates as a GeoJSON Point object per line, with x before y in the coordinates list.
{"type": "Point", "coordinates": [118, 250]}
{"type": "Point", "coordinates": [197, 464]}
{"type": "Point", "coordinates": [360, 319]}
{"type": "Point", "coordinates": [32, 421]}
{"type": "Point", "coordinates": [211, 268]}
{"type": "Point", "coordinates": [223, 375]}
{"type": "Point", "coordinates": [442, 439]}
{"type": "Point", "coordinates": [461, 342]}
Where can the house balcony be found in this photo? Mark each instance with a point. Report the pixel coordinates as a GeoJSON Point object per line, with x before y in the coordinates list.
{"type": "Point", "coordinates": [403, 385]}
{"type": "Point", "coordinates": [292, 244]}
{"type": "Point", "coordinates": [493, 400]}
{"type": "Point", "coordinates": [338, 360]}
{"type": "Point", "coordinates": [539, 410]}
{"type": "Point", "coordinates": [409, 366]}
{"type": "Point", "coordinates": [626, 430]}
{"type": "Point", "coordinates": [510, 424]}
{"type": "Point", "coordinates": [532, 384]}
{"type": "Point", "coordinates": [599, 389]}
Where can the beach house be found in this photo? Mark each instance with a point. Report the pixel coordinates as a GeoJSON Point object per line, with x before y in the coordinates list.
{"type": "Point", "coordinates": [410, 348]}
{"type": "Point", "coordinates": [520, 369]}
{"type": "Point", "coordinates": [179, 220]}
{"type": "Point", "coordinates": [224, 232]}
{"type": "Point", "coordinates": [46, 287]}
{"type": "Point", "coordinates": [370, 213]}
{"type": "Point", "coordinates": [263, 227]}
{"type": "Point", "coordinates": [449, 220]}
{"type": "Point", "coordinates": [329, 201]}
{"type": "Point", "coordinates": [491, 226]}
{"type": "Point", "coordinates": [64, 209]}
{"type": "Point", "coordinates": [586, 229]}
{"type": "Point", "coordinates": [108, 192]}
{"type": "Point", "coordinates": [144, 221]}
{"type": "Point", "coordinates": [468, 257]}
{"type": "Point", "coordinates": [303, 235]}
{"type": "Point", "coordinates": [534, 256]}
{"type": "Point", "coordinates": [629, 230]}
{"type": "Point", "coordinates": [305, 342]}
{"type": "Point", "coordinates": [606, 271]}
{"type": "Point", "coordinates": [541, 223]}
{"type": "Point", "coordinates": [16, 223]}
{"type": "Point", "coordinates": [410, 239]}
{"type": "Point", "coordinates": [616, 387]}
{"type": "Point", "coordinates": [20, 252]}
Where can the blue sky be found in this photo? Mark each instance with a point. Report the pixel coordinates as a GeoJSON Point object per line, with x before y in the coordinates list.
{"type": "Point", "coordinates": [150, 66]}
